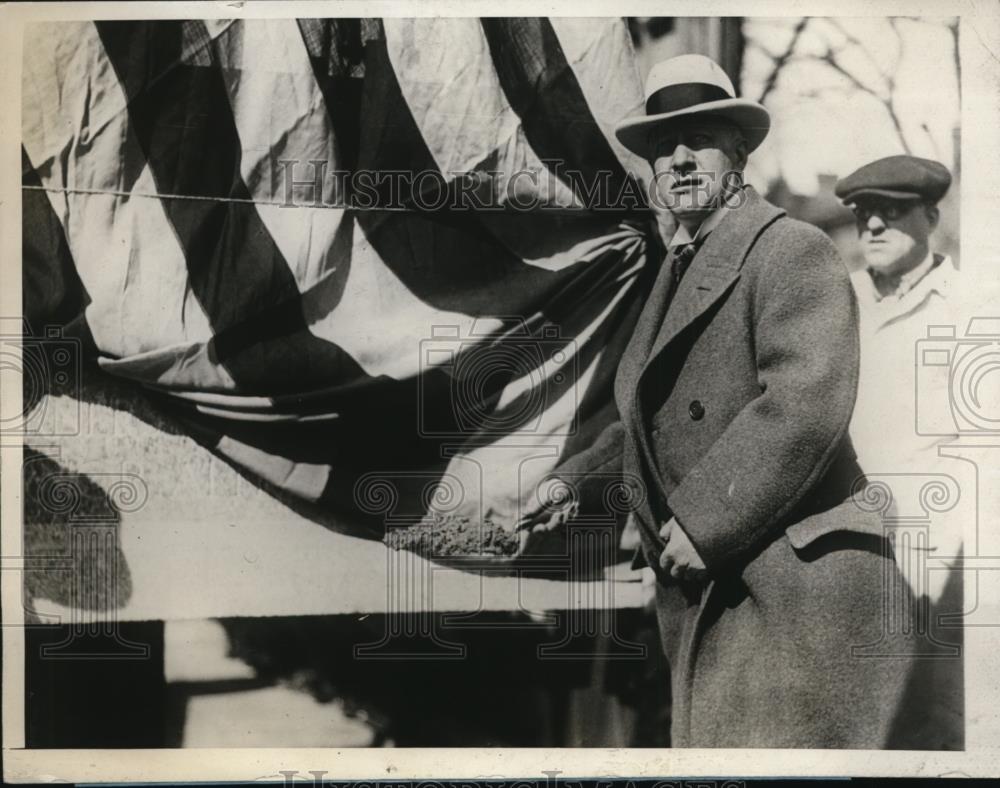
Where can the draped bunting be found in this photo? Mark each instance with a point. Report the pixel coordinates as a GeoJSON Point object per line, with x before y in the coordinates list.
{"type": "Point", "coordinates": [193, 209]}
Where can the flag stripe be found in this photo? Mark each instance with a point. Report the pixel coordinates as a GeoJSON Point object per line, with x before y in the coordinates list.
{"type": "Point", "coordinates": [308, 365]}
{"type": "Point", "coordinates": [280, 116]}
{"type": "Point", "coordinates": [182, 119]}
{"type": "Point", "coordinates": [601, 55]}
{"type": "Point", "coordinates": [544, 91]}
{"type": "Point", "coordinates": [52, 292]}
{"type": "Point", "coordinates": [447, 76]}
{"type": "Point", "coordinates": [75, 134]}
{"type": "Point", "coordinates": [450, 259]}
{"type": "Point", "coordinates": [336, 55]}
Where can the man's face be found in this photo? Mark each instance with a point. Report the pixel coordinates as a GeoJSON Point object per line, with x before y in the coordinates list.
{"type": "Point", "coordinates": [894, 234]}
{"type": "Point", "coordinates": [694, 163]}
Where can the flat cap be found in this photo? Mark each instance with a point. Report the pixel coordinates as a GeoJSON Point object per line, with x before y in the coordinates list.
{"type": "Point", "coordinates": [896, 177]}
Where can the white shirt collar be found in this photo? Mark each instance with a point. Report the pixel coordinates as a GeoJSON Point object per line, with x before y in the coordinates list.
{"type": "Point", "coordinates": [910, 278]}
{"type": "Point", "coordinates": [907, 281]}
{"type": "Point", "coordinates": [683, 236]}
{"type": "Point", "coordinates": [939, 278]}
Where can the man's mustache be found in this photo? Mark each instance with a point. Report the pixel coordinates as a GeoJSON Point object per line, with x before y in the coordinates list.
{"type": "Point", "coordinates": [685, 178]}
{"type": "Point", "coordinates": [673, 188]}
{"type": "Point", "coordinates": [670, 178]}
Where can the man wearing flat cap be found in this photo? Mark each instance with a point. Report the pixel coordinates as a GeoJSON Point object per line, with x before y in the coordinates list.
{"type": "Point", "coordinates": [734, 395]}
{"type": "Point", "coordinates": [903, 289]}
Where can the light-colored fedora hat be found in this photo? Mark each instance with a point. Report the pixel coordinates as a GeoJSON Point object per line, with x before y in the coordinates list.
{"type": "Point", "coordinates": [689, 85]}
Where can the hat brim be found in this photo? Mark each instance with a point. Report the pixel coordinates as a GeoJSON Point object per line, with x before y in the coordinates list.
{"type": "Point", "coordinates": [892, 194]}
{"type": "Point", "coordinates": [754, 120]}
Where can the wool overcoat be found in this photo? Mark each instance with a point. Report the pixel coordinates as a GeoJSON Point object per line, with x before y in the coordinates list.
{"type": "Point", "coordinates": [734, 396]}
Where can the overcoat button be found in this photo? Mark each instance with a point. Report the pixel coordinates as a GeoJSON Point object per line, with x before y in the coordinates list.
{"type": "Point", "coordinates": [697, 410]}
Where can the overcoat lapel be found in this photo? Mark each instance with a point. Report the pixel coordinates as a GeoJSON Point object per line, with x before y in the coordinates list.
{"type": "Point", "coordinates": [716, 266]}
{"type": "Point", "coordinates": [713, 270]}
{"type": "Point", "coordinates": [626, 381]}
{"type": "Point", "coordinates": [646, 328]}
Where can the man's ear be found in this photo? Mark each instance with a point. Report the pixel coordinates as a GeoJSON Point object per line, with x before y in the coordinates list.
{"type": "Point", "coordinates": [742, 151]}
{"type": "Point", "coordinates": [933, 215]}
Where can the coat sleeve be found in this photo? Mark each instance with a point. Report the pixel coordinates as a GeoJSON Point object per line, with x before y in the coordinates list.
{"type": "Point", "coordinates": [777, 448]}
{"type": "Point", "coordinates": [592, 473]}
{"type": "Point", "coordinates": [604, 454]}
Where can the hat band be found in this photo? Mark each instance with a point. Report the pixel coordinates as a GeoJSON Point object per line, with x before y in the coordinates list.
{"type": "Point", "coordinates": [684, 95]}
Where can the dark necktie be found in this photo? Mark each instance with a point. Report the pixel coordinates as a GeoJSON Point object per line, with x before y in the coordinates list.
{"type": "Point", "coordinates": [683, 255]}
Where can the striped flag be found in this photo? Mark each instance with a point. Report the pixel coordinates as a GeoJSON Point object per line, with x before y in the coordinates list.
{"type": "Point", "coordinates": [345, 250]}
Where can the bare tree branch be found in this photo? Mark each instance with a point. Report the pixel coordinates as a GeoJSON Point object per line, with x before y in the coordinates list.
{"type": "Point", "coordinates": [884, 91]}
{"type": "Point", "coordinates": [894, 24]}
{"type": "Point", "coordinates": [831, 61]}
{"type": "Point", "coordinates": [853, 41]}
{"type": "Point", "coordinates": [934, 145]}
{"type": "Point", "coordinates": [783, 58]}
{"type": "Point", "coordinates": [953, 29]}
{"type": "Point", "coordinates": [763, 49]}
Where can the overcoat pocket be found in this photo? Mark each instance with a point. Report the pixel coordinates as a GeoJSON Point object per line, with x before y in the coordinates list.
{"type": "Point", "coordinates": [845, 517]}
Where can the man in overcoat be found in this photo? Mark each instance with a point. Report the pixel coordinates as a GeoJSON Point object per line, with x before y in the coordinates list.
{"type": "Point", "coordinates": [734, 396]}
